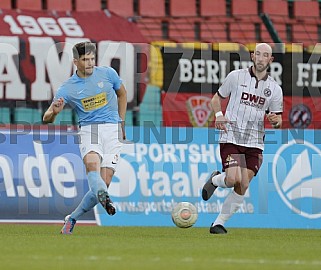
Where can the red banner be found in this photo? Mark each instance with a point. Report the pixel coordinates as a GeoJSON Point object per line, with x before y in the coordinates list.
{"type": "Point", "coordinates": [302, 112]}
{"type": "Point", "coordinates": [187, 109]}
{"type": "Point", "coordinates": [192, 73]}
{"type": "Point", "coordinates": [36, 51]}
{"type": "Point", "coordinates": [96, 25]}
{"type": "Point", "coordinates": [193, 110]}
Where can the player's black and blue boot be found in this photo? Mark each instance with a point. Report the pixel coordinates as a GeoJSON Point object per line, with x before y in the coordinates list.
{"type": "Point", "coordinates": [106, 202]}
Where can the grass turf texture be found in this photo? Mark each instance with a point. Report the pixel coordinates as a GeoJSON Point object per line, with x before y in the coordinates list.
{"type": "Point", "coordinates": [93, 247]}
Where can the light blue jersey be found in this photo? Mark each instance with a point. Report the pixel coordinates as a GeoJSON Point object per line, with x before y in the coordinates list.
{"type": "Point", "coordinates": [93, 98]}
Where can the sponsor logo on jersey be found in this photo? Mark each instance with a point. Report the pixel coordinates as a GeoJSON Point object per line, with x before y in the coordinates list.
{"type": "Point", "coordinates": [252, 100]}
{"type": "Point", "coordinates": [267, 92]}
{"type": "Point", "coordinates": [94, 102]}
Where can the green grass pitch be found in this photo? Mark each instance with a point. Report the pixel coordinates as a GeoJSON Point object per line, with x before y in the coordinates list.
{"type": "Point", "coordinates": [166, 248]}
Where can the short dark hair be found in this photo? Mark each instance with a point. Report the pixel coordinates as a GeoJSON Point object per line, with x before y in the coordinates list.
{"type": "Point", "coordinates": [83, 48]}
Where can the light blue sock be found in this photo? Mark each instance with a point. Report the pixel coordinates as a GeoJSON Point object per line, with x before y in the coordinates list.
{"type": "Point", "coordinates": [95, 182]}
{"type": "Point", "coordinates": [86, 204]}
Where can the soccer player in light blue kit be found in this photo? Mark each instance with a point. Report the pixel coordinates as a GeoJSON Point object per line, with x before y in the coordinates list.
{"type": "Point", "coordinates": [100, 101]}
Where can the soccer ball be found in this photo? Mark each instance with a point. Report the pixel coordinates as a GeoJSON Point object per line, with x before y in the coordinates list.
{"type": "Point", "coordinates": [184, 215]}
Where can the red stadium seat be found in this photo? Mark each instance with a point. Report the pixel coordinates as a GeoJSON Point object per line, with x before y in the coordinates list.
{"type": "Point", "coordinates": [275, 7]}
{"type": "Point", "coordinates": [281, 28]}
{"type": "Point", "coordinates": [213, 8]}
{"type": "Point", "coordinates": [242, 32]}
{"type": "Point", "coordinates": [181, 30]}
{"type": "Point", "coordinates": [123, 8]}
{"type": "Point", "coordinates": [306, 9]}
{"type": "Point", "coordinates": [305, 33]}
{"type": "Point", "coordinates": [151, 28]}
{"type": "Point", "coordinates": [213, 30]}
{"type": "Point", "coordinates": [245, 14]}
{"type": "Point", "coordinates": [152, 8]}
{"type": "Point", "coordinates": [6, 4]}
{"type": "Point", "coordinates": [179, 8]}
{"type": "Point", "coordinates": [278, 12]}
{"type": "Point", "coordinates": [265, 35]}
{"type": "Point", "coordinates": [244, 7]}
{"type": "Point", "coordinates": [29, 4]}
{"type": "Point", "coordinates": [305, 29]}
{"type": "Point", "coordinates": [59, 5]}
{"type": "Point", "coordinates": [85, 5]}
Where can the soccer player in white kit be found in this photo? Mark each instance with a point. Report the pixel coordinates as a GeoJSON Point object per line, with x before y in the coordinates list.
{"type": "Point", "coordinates": [252, 94]}
{"type": "Point", "coordinates": [100, 101]}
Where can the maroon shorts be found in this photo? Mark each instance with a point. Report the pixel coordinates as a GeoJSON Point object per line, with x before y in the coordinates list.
{"type": "Point", "coordinates": [233, 155]}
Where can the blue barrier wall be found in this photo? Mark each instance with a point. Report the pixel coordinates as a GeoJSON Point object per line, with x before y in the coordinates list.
{"type": "Point", "coordinates": [166, 166]}
{"type": "Point", "coordinates": [42, 178]}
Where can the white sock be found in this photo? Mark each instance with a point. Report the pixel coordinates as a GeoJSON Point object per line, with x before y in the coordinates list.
{"type": "Point", "coordinates": [219, 180]}
{"type": "Point", "coordinates": [232, 203]}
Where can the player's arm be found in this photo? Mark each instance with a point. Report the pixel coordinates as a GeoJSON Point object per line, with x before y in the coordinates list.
{"type": "Point", "coordinates": [220, 120]}
{"type": "Point", "coordinates": [216, 103]}
{"type": "Point", "coordinates": [274, 113]}
{"type": "Point", "coordinates": [122, 106]}
{"type": "Point", "coordinates": [275, 119]}
{"type": "Point", "coordinates": [54, 109]}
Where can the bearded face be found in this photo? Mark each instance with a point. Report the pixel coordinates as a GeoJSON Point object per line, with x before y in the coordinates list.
{"type": "Point", "coordinates": [260, 67]}
{"type": "Point", "coordinates": [262, 58]}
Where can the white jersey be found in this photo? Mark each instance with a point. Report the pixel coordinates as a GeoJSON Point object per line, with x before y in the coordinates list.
{"type": "Point", "coordinates": [249, 99]}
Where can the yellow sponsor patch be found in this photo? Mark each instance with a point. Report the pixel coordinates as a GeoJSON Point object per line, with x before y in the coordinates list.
{"type": "Point", "coordinates": [94, 102]}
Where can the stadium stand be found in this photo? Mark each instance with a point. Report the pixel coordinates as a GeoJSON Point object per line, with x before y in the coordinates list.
{"type": "Point", "coordinates": [182, 30]}
{"type": "Point", "coordinates": [275, 8]}
{"type": "Point", "coordinates": [59, 5]}
{"type": "Point", "coordinates": [152, 22]}
{"type": "Point", "coordinates": [214, 30]}
{"type": "Point", "coordinates": [244, 32]}
{"type": "Point", "coordinates": [203, 20]}
{"type": "Point", "coordinates": [151, 28]}
{"type": "Point", "coordinates": [177, 9]}
{"type": "Point", "coordinates": [305, 30]}
{"type": "Point", "coordinates": [29, 4]}
{"type": "Point", "coordinates": [123, 8]}
{"type": "Point", "coordinates": [64, 118]}
{"type": "Point", "coordinates": [6, 4]}
{"type": "Point", "coordinates": [215, 22]}
{"type": "Point", "coordinates": [277, 12]}
{"type": "Point", "coordinates": [239, 21]}
{"type": "Point", "coordinates": [305, 33]}
{"type": "Point", "coordinates": [4, 115]}
{"type": "Point", "coordinates": [182, 22]}
{"type": "Point", "coordinates": [28, 115]}
{"type": "Point", "coordinates": [306, 9]}
{"type": "Point", "coordinates": [244, 7]}
{"type": "Point", "coordinates": [209, 8]}
{"type": "Point", "coordinates": [84, 5]}
{"type": "Point", "coordinates": [246, 27]}
{"type": "Point", "coordinates": [150, 108]}
{"type": "Point", "coordinates": [151, 8]}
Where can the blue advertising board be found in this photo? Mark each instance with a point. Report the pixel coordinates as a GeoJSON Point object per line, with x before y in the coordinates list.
{"type": "Point", "coordinates": [164, 166]}
{"type": "Point", "coordinates": [42, 178]}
